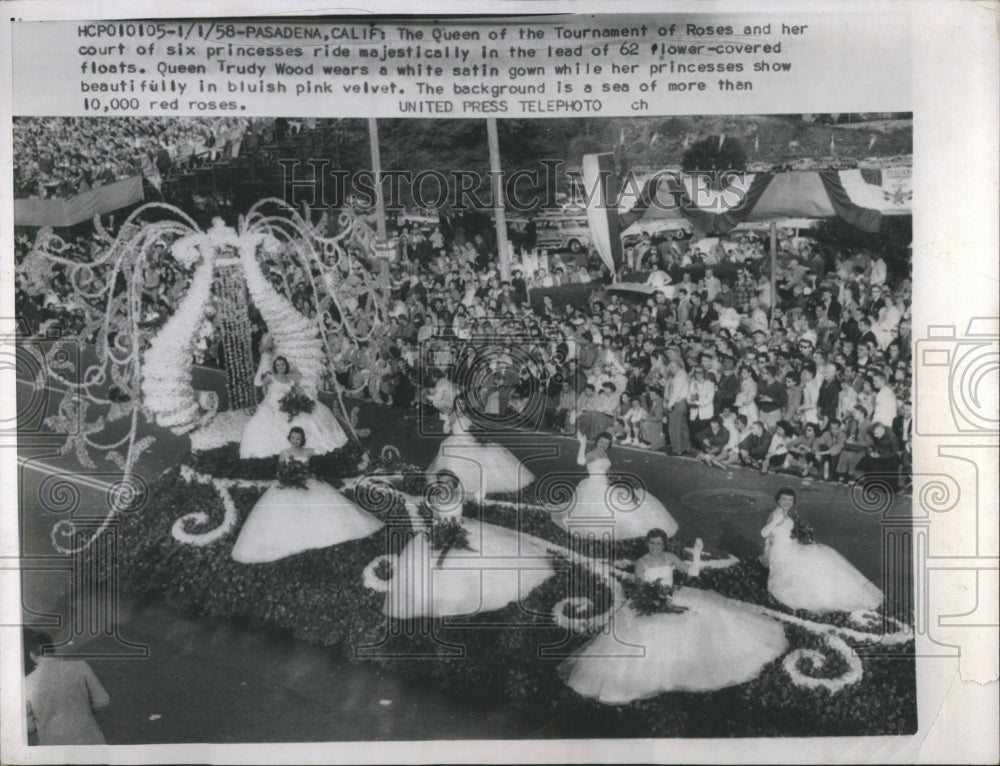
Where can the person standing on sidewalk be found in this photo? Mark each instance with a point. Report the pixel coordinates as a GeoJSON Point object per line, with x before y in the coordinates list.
{"type": "Point", "coordinates": [676, 407]}
{"type": "Point", "coordinates": [61, 697]}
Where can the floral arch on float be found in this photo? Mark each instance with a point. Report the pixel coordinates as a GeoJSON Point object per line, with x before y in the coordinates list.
{"type": "Point", "coordinates": [144, 375]}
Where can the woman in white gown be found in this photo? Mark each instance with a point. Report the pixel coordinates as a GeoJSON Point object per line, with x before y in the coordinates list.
{"type": "Point", "coordinates": [499, 566]}
{"type": "Point", "coordinates": [598, 503]}
{"type": "Point", "coordinates": [810, 575]}
{"type": "Point", "coordinates": [481, 469]}
{"type": "Point", "coordinates": [714, 643]}
{"type": "Point", "coordinates": [262, 436]}
{"type": "Point", "coordinates": [288, 520]}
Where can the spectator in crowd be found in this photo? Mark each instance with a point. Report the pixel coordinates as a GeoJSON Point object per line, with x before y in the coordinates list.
{"type": "Point", "coordinates": [701, 400]}
{"type": "Point", "coordinates": [755, 446]}
{"type": "Point", "coordinates": [777, 455]}
{"type": "Point", "coordinates": [885, 408]}
{"type": "Point", "coordinates": [902, 427]}
{"type": "Point", "coordinates": [634, 418]}
{"type": "Point", "coordinates": [676, 407]}
{"type": "Point", "coordinates": [771, 397]}
{"type": "Point", "coordinates": [712, 441]}
{"type": "Point", "coordinates": [882, 456]}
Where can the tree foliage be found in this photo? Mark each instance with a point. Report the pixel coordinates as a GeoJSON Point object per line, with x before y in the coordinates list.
{"type": "Point", "coordinates": [715, 153]}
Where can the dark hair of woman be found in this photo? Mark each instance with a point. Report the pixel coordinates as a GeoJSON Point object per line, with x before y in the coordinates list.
{"type": "Point", "coordinates": [786, 491]}
{"type": "Point", "coordinates": [657, 532]}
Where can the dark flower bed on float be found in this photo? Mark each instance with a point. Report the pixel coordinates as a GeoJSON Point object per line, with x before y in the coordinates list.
{"type": "Point", "coordinates": [510, 654]}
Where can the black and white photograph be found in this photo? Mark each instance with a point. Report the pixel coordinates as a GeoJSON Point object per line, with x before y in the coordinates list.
{"type": "Point", "coordinates": [503, 415]}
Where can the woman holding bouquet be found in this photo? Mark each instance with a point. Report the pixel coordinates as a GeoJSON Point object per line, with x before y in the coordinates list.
{"type": "Point", "coordinates": [805, 574]}
{"type": "Point", "coordinates": [700, 642]}
{"type": "Point", "coordinates": [300, 514]}
{"type": "Point", "coordinates": [286, 404]}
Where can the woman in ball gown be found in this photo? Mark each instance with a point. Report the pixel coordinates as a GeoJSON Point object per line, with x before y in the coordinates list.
{"type": "Point", "coordinates": [597, 502]}
{"type": "Point", "coordinates": [810, 575]}
{"type": "Point", "coordinates": [714, 643]}
{"type": "Point", "coordinates": [498, 567]}
{"type": "Point", "coordinates": [262, 435]}
{"type": "Point", "coordinates": [481, 469]}
{"type": "Point", "coordinates": [289, 520]}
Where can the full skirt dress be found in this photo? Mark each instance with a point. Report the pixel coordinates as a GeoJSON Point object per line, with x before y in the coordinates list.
{"type": "Point", "coordinates": [817, 578]}
{"type": "Point", "coordinates": [481, 469]}
{"type": "Point", "coordinates": [288, 520]}
{"type": "Point", "coordinates": [716, 643]}
{"type": "Point", "coordinates": [503, 567]}
{"type": "Point", "coordinates": [599, 506]}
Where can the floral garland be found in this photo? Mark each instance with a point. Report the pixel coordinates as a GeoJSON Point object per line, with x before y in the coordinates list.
{"type": "Point", "coordinates": [296, 337]}
{"type": "Point", "coordinates": [167, 388]}
{"type": "Point", "coordinates": [233, 323]}
{"type": "Point", "coordinates": [577, 613]}
{"type": "Point", "coordinates": [179, 529]}
{"type": "Point", "coordinates": [296, 402]}
{"type": "Point", "coordinates": [109, 322]}
{"type": "Point", "coordinates": [699, 563]}
{"type": "Point", "coordinates": [575, 624]}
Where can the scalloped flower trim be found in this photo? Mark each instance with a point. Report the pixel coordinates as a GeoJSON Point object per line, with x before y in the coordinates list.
{"type": "Point", "coordinates": [854, 672]}
{"type": "Point", "coordinates": [370, 576]}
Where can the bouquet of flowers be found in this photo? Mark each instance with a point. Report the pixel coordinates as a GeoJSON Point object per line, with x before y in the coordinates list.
{"type": "Point", "coordinates": [447, 534]}
{"type": "Point", "coordinates": [803, 532]}
{"type": "Point", "coordinates": [293, 474]}
{"type": "Point", "coordinates": [653, 597]}
{"type": "Point", "coordinates": [295, 402]}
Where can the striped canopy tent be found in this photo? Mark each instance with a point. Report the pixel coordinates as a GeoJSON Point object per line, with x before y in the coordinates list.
{"type": "Point", "coordinates": [714, 206]}
{"type": "Point", "coordinates": [859, 196]}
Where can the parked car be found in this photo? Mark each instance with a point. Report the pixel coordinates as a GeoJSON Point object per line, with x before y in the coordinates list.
{"type": "Point", "coordinates": [571, 234]}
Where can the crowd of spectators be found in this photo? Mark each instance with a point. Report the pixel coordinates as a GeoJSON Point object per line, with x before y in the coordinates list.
{"type": "Point", "coordinates": [58, 157]}
{"type": "Point", "coordinates": [812, 378]}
